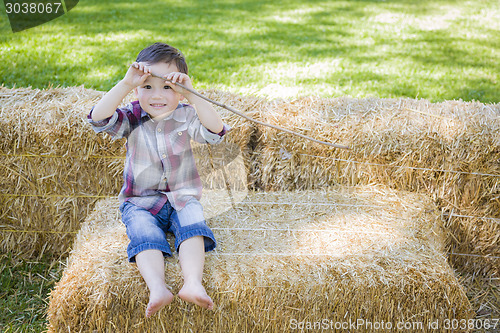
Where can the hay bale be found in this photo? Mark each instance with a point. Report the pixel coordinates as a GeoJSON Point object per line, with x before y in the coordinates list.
{"type": "Point", "coordinates": [338, 256]}
{"type": "Point", "coordinates": [46, 168]}
{"type": "Point", "coordinates": [49, 161]}
{"type": "Point", "coordinates": [403, 143]}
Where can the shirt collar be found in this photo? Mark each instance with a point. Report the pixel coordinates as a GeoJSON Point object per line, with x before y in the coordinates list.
{"type": "Point", "coordinates": [179, 114]}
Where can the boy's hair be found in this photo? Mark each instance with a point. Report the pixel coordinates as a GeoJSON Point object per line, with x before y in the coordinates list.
{"type": "Point", "coordinates": [161, 52]}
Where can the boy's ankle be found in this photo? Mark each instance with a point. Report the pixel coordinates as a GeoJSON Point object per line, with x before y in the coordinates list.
{"type": "Point", "coordinates": [192, 282]}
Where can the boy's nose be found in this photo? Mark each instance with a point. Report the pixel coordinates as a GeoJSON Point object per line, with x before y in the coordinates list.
{"type": "Point", "coordinates": [157, 93]}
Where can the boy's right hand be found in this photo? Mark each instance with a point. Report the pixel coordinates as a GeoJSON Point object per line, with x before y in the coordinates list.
{"type": "Point", "coordinates": [137, 73]}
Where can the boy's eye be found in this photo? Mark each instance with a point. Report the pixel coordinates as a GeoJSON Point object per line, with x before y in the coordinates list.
{"type": "Point", "coordinates": [147, 86]}
{"type": "Point", "coordinates": [167, 87]}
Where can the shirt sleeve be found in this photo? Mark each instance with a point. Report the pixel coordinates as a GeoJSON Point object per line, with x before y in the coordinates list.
{"type": "Point", "coordinates": [102, 125]}
{"type": "Point", "coordinates": [117, 126]}
{"type": "Point", "coordinates": [200, 133]}
{"type": "Point", "coordinates": [211, 137]}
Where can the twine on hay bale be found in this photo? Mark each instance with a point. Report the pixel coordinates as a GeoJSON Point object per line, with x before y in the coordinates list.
{"type": "Point", "coordinates": [403, 143]}
{"type": "Point", "coordinates": [343, 254]}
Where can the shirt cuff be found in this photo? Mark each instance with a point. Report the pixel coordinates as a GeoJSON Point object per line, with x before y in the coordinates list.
{"type": "Point", "coordinates": [101, 125]}
{"type": "Point", "coordinates": [212, 137]}
{"type": "Point", "coordinates": [221, 133]}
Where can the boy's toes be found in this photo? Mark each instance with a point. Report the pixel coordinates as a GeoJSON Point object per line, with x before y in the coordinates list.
{"type": "Point", "coordinates": [158, 301]}
{"type": "Point", "coordinates": [196, 295]}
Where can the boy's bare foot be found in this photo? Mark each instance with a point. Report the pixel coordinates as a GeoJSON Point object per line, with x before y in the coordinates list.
{"type": "Point", "coordinates": [157, 300]}
{"type": "Point", "coordinates": [195, 293]}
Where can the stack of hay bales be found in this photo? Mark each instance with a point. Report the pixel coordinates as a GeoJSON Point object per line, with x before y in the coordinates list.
{"type": "Point", "coordinates": [345, 258]}
{"type": "Point", "coordinates": [403, 143]}
{"type": "Point", "coordinates": [54, 167]}
{"type": "Point", "coordinates": [51, 160]}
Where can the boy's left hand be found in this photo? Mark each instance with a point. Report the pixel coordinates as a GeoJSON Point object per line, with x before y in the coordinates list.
{"type": "Point", "coordinates": [183, 79]}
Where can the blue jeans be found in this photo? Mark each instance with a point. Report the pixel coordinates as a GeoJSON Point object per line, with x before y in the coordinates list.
{"type": "Point", "coordinates": [148, 232]}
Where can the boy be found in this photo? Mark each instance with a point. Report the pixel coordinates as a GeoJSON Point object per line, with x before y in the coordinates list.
{"type": "Point", "coordinates": [162, 186]}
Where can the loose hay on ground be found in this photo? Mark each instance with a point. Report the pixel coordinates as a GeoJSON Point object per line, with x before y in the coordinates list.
{"type": "Point", "coordinates": [342, 254]}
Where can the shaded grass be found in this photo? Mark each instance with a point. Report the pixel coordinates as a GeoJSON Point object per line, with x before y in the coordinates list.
{"type": "Point", "coordinates": [24, 288]}
{"type": "Point", "coordinates": [438, 50]}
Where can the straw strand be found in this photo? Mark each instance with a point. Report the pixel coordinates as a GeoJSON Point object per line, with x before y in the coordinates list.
{"type": "Point", "coordinates": [403, 166]}
{"type": "Point", "coordinates": [254, 120]}
{"type": "Point", "coordinates": [257, 253]}
{"type": "Point", "coordinates": [309, 155]}
{"type": "Point", "coordinates": [38, 231]}
{"type": "Point", "coordinates": [493, 219]}
{"type": "Point", "coordinates": [56, 196]}
{"type": "Point", "coordinates": [276, 254]}
{"type": "Point", "coordinates": [63, 156]}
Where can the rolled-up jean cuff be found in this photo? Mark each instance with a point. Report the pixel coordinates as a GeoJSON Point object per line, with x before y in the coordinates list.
{"type": "Point", "coordinates": [132, 252]}
{"type": "Point", "coordinates": [208, 238]}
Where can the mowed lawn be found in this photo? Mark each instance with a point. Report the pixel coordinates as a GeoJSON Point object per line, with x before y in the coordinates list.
{"type": "Point", "coordinates": [437, 50]}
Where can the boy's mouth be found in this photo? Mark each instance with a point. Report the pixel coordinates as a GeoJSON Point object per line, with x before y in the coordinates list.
{"type": "Point", "coordinates": [157, 105]}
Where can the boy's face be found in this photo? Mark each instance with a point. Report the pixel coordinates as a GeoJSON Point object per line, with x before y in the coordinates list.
{"type": "Point", "coordinates": [155, 96]}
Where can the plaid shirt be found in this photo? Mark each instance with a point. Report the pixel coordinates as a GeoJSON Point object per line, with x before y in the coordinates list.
{"type": "Point", "coordinates": [159, 164]}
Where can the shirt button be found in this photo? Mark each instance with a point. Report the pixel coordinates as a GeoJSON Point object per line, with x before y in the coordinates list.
{"type": "Point", "coordinates": [179, 134]}
{"type": "Point", "coordinates": [159, 130]}
{"type": "Point", "coordinates": [164, 155]}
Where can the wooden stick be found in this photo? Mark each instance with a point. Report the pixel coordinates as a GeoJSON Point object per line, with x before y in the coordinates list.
{"type": "Point", "coordinates": [251, 119]}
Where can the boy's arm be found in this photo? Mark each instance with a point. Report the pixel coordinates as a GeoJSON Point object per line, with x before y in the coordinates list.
{"type": "Point", "coordinates": [206, 113]}
{"type": "Point", "coordinates": [136, 75]}
{"type": "Point", "coordinates": [110, 102]}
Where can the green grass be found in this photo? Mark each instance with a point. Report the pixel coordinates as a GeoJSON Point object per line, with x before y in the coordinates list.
{"type": "Point", "coordinates": [24, 289]}
{"type": "Point", "coordinates": [438, 50]}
